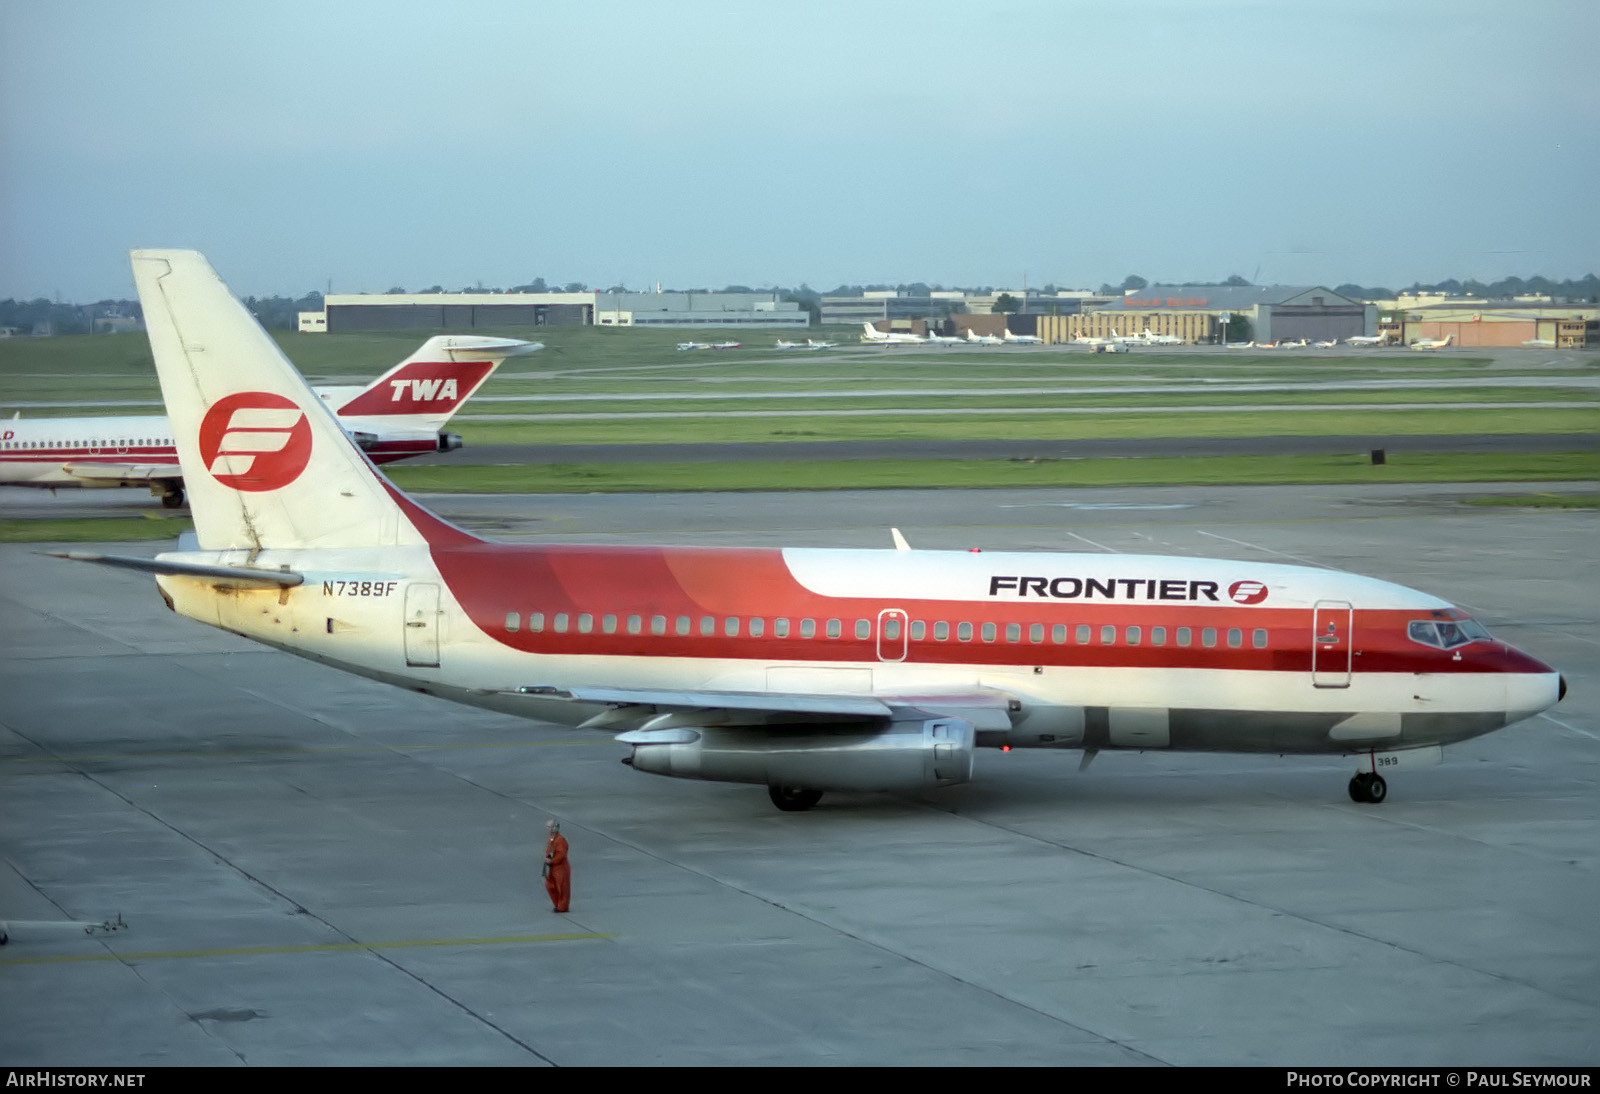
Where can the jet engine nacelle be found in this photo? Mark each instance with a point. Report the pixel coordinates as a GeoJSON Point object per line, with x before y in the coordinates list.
{"type": "Point", "coordinates": [449, 442]}
{"type": "Point", "coordinates": [906, 754]}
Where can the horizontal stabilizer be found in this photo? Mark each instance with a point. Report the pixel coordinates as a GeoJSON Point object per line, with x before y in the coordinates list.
{"type": "Point", "coordinates": [243, 577]}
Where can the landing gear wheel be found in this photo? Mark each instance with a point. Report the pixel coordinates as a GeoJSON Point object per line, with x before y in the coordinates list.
{"type": "Point", "coordinates": [1368, 787]}
{"type": "Point", "coordinates": [173, 499]}
{"type": "Point", "coordinates": [793, 799]}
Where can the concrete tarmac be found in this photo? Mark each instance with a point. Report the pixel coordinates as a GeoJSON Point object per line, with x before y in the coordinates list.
{"type": "Point", "coordinates": [314, 869]}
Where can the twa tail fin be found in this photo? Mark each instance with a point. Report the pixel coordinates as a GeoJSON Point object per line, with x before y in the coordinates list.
{"type": "Point", "coordinates": [265, 463]}
{"type": "Point", "coordinates": [426, 389]}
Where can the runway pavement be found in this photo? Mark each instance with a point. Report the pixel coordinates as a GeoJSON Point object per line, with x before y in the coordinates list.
{"type": "Point", "coordinates": [314, 869]}
{"type": "Point", "coordinates": [1085, 449]}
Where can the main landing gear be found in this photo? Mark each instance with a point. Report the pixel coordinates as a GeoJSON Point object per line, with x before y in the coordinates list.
{"type": "Point", "coordinates": [1368, 787]}
{"type": "Point", "coordinates": [170, 491]}
{"type": "Point", "coordinates": [793, 799]}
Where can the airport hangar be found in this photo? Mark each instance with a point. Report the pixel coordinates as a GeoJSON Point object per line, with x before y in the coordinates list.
{"type": "Point", "coordinates": [469, 311]}
{"type": "Point", "coordinates": [1204, 313]}
{"type": "Point", "coordinates": [1481, 323]}
{"type": "Point", "coordinates": [1194, 313]}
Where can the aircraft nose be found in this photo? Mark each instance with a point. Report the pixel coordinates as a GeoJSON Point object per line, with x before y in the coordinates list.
{"type": "Point", "coordinates": [1561, 690]}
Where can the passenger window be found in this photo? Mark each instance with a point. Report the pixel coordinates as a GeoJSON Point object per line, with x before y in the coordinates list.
{"type": "Point", "coordinates": [561, 622]}
{"type": "Point", "coordinates": [757, 628]}
{"type": "Point", "coordinates": [1258, 638]}
{"type": "Point", "coordinates": [1108, 635]}
{"type": "Point", "coordinates": [608, 624]}
{"type": "Point", "coordinates": [1013, 632]}
{"type": "Point", "coordinates": [536, 621]}
{"type": "Point", "coordinates": [988, 632]}
{"type": "Point", "coordinates": [1158, 636]}
{"type": "Point", "coordinates": [1235, 638]}
{"type": "Point", "coordinates": [835, 628]}
{"type": "Point", "coordinates": [708, 626]}
{"type": "Point", "coordinates": [780, 628]}
{"type": "Point", "coordinates": [513, 621]}
{"type": "Point", "coordinates": [585, 623]}
{"type": "Point", "coordinates": [891, 629]}
{"type": "Point", "coordinates": [808, 628]}
{"type": "Point", "coordinates": [658, 625]}
{"type": "Point", "coordinates": [681, 625]}
{"type": "Point", "coordinates": [1208, 637]}
{"type": "Point", "coordinates": [1185, 637]}
{"type": "Point", "coordinates": [863, 629]}
{"type": "Point", "coordinates": [1058, 633]}
{"type": "Point", "coordinates": [919, 630]}
{"type": "Point", "coordinates": [730, 626]}
{"type": "Point", "coordinates": [941, 631]}
{"type": "Point", "coordinates": [963, 632]}
{"type": "Point", "coordinates": [1083, 634]}
{"type": "Point", "coordinates": [1133, 636]}
{"type": "Point", "coordinates": [1036, 632]}
{"type": "Point", "coordinates": [635, 624]}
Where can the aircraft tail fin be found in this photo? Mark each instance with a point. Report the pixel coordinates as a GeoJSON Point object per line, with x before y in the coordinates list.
{"type": "Point", "coordinates": [265, 462]}
{"type": "Point", "coordinates": [425, 389]}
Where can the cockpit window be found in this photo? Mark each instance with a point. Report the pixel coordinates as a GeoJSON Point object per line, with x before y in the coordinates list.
{"type": "Point", "coordinates": [1445, 634]}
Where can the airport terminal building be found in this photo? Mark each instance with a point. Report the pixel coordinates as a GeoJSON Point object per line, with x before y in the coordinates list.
{"type": "Point", "coordinates": [488, 310]}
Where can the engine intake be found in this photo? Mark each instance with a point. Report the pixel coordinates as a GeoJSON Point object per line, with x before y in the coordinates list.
{"type": "Point", "coordinates": [905, 754]}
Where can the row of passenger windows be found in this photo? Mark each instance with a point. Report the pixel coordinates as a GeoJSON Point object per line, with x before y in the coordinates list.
{"type": "Point", "coordinates": [1083, 634]}
{"type": "Point", "coordinates": [137, 442]}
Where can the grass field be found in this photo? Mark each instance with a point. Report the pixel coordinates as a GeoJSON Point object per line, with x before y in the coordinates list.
{"type": "Point", "coordinates": [598, 386]}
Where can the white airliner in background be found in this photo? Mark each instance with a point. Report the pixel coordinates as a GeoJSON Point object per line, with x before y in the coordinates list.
{"type": "Point", "coordinates": [1150, 338]}
{"type": "Point", "coordinates": [945, 339]}
{"type": "Point", "coordinates": [981, 339]}
{"type": "Point", "coordinates": [1367, 340]}
{"type": "Point", "coordinates": [873, 336]}
{"type": "Point", "coordinates": [1020, 339]}
{"type": "Point", "coordinates": [398, 415]}
{"type": "Point", "coordinates": [812, 343]}
{"type": "Point", "coordinates": [1433, 343]}
{"type": "Point", "coordinates": [802, 670]}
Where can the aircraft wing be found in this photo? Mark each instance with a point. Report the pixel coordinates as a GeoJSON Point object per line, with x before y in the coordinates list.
{"type": "Point", "coordinates": [112, 474]}
{"type": "Point", "coordinates": [985, 709]}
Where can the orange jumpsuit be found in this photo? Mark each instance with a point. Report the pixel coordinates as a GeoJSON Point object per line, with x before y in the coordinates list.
{"type": "Point", "coordinates": [557, 874]}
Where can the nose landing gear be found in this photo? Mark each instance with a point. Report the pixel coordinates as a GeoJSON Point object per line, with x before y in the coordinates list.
{"type": "Point", "coordinates": [1368, 787]}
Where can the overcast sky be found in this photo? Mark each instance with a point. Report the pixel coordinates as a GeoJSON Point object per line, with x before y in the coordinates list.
{"type": "Point", "coordinates": [694, 143]}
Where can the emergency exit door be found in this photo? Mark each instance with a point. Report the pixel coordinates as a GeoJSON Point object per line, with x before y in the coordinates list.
{"type": "Point", "coordinates": [422, 625]}
{"type": "Point", "coordinates": [1331, 648]}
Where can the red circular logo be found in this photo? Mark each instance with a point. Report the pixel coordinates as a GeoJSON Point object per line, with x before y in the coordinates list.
{"type": "Point", "coordinates": [1247, 592]}
{"type": "Point", "coordinates": [255, 441]}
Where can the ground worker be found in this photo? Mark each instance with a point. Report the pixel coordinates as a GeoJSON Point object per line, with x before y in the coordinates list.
{"type": "Point", "coordinates": [557, 874]}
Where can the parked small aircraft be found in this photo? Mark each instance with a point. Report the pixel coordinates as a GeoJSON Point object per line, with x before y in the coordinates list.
{"type": "Point", "coordinates": [1433, 343]}
{"type": "Point", "coordinates": [873, 336]}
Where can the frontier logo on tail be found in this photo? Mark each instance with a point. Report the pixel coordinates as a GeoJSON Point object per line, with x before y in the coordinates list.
{"type": "Point", "coordinates": [255, 441]}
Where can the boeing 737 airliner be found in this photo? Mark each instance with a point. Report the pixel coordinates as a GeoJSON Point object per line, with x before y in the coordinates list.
{"type": "Point", "coordinates": [802, 670]}
{"type": "Point", "coordinates": [400, 414]}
